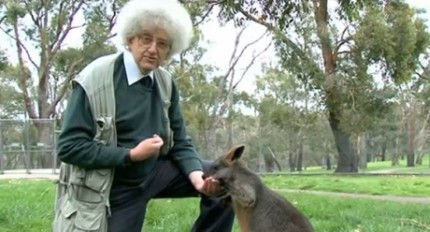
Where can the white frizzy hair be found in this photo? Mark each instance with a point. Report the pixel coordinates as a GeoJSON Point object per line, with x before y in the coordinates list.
{"type": "Point", "coordinates": [170, 15]}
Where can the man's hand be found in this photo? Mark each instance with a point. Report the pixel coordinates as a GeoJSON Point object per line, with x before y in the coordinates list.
{"type": "Point", "coordinates": [208, 186]}
{"type": "Point", "coordinates": [146, 148]}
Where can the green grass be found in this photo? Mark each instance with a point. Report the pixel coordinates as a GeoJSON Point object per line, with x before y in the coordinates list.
{"type": "Point", "coordinates": [377, 185]}
{"type": "Point", "coordinates": [26, 205]}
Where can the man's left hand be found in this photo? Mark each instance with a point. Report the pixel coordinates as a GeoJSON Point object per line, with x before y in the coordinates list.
{"type": "Point", "coordinates": [208, 186]}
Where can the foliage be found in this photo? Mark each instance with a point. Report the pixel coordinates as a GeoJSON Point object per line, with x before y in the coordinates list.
{"type": "Point", "coordinates": [38, 31]}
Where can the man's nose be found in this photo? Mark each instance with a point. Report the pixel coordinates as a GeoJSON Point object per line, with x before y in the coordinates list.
{"type": "Point", "coordinates": [152, 47]}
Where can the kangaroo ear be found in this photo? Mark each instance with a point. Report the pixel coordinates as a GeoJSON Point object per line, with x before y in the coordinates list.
{"type": "Point", "coordinates": [234, 154]}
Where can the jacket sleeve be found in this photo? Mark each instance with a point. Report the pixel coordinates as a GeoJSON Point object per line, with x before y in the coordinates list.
{"type": "Point", "coordinates": [183, 152]}
{"type": "Point", "coordinates": [75, 143]}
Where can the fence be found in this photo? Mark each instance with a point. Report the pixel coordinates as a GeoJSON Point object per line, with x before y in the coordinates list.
{"type": "Point", "coordinates": [28, 144]}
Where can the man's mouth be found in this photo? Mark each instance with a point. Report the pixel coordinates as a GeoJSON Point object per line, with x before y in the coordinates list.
{"type": "Point", "coordinates": [151, 58]}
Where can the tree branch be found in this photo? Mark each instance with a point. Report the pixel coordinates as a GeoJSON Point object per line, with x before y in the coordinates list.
{"type": "Point", "coordinates": [23, 73]}
{"type": "Point", "coordinates": [59, 26]}
{"type": "Point", "coordinates": [23, 47]}
{"type": "Point", "coordinates": [251, 63]}
{"type": "Point", "coordinates": [232, 87]}
{"type": "Point", "coordinates": [59, 40]}
{"type": "Point", "coordinates": [2, 19]}
{"type": "Point", "coordinates": [281, 36]}
{"type": "Point", "coordinates": [205, 16]}
{"type": "Point", "coordinates": [70, 74]}
{"type": "Point", "coordinates": [49, 55]}
{"type": "Point", "coordinates": [342, 42]}
{"type": "Point", "coordinates": [219, 108]}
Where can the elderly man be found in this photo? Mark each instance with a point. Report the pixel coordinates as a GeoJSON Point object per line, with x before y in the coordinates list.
{"type": "Point", "coordinates": [124, 140]}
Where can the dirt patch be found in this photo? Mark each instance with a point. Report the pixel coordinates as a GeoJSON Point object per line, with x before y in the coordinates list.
{"type": "Point", "coordinates": [34, 174]}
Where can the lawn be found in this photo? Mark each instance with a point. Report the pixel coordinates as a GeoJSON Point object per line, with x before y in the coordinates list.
{"type": "Point", "coordinates": [26, 205]}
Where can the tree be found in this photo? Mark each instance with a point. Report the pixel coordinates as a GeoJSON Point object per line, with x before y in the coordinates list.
{"type": "Point", "coordinates": [38, 31]}
{"type": "Point", "coordinates": [208, 93]}
{"type": "Point", "coordinates": [324, 73]}
{"type": "Point", "coordinates": [400, 41]}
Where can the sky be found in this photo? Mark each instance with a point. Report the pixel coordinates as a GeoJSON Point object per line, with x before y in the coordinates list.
{"type": "Point", "coordinates": [221, 46]}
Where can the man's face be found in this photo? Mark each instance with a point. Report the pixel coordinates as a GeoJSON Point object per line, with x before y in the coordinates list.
{"type": "Point", "coordinates": [150, 49]}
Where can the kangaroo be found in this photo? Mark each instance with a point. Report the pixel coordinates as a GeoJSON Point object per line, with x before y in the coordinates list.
{"type": "Point", "coordinates": [257, 207]}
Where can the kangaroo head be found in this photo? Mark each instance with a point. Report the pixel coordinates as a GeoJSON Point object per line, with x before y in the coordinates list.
{"type": "Point", "coordinates": [226, 168]}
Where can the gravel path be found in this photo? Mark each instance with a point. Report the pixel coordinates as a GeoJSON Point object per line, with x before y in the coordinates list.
{"type": "Point", "coordinates": [404, 199]}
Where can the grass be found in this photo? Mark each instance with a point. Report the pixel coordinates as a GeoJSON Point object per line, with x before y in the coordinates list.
{"type": "Point", "coordinates": [26, 205]}
{"type": "Point", "coordinates": [377, 185]}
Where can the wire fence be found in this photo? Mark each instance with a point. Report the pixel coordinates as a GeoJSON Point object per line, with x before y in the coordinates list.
{"type": "Point", "coordinates": [28, 144]}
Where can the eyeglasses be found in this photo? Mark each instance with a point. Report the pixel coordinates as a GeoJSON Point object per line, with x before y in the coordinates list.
{"type": "Point", "coordinates": [147, 40]}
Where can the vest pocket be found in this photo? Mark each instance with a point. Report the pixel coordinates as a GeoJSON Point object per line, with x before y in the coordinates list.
{"type": "Point", "coordinates": [97, 180]}
{"type": "Point", "coordinates": [90, 184]}
{"type": "Point", "coordinates": [80, 216]}
{"type": "Point", "coordinates": [89, 218]}
{"type": "Point", "coordinates": [105, 128]}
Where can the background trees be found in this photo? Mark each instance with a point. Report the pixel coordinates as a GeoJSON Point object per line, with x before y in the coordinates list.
{"type": "Point", "coordinates": [347, 83]}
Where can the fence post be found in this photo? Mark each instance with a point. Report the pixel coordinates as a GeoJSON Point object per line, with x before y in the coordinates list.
{"type": "Point", "coordinates": [27, 159]}
{"type": "Point", "coordinates": [54, 149]}
{"type": "Point", "coordinates": [1, 150]}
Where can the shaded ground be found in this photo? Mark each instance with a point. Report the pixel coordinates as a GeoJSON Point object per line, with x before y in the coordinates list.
{"type": "Point", "coordinates": [48, 174]}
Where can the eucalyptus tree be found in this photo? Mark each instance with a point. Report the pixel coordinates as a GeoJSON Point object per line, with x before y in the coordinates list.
{"type": "Point", "coordinates": [37, 33]}
{"type": "Point", "coordinates": [338, 68]}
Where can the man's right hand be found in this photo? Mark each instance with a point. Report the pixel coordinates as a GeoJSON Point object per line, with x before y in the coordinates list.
{"type": "Point", "coordinates": [146, 148]}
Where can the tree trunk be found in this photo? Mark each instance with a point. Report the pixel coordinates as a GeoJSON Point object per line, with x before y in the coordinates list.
{"type": "Point", "coordinates": [230, 133]}
{"type": "Point", "coordinates": [422, 139]}
{"type": "Point", "coordinates": [230, 119]}
{"type": "Point", "coordinates": [419, 159]}
{"type": "Point", "coordinates": [268, 162]}
{"type": "Point", "coordinates": [396, 154]}
{"type": "Point", "coordinates": [299, 163]}
{"type": "Point", "coordinates": [274, 160]}
{"type": "Point", "coordinates": [328, 162]}
{"type": "Point", "coordinates": [410, 158]}
{"type": "Point", "coordinates": [384, 150]}
{"type": "Point", "coordinates": [361, 152]}
{"type": "Point", "coordinates": [291, 161]}
{"type": "Point", "coordinates": [369, 149]}
{"type": "Point", "coordinates": [346, 161]}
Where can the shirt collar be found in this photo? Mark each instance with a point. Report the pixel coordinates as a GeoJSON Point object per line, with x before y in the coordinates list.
{"type": "Point", "coordinates": [132, 70]}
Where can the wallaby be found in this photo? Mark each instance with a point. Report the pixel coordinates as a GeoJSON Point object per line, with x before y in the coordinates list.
{"type": "Point", "coordinates": [257, 207]}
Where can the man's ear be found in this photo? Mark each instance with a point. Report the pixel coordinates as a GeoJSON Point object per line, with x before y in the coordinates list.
{"type": "Point", "coordinates": [234, 154]}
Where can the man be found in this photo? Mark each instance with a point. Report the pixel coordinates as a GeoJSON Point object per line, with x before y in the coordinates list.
{"type": "Point", "coordinates": [133, 141]}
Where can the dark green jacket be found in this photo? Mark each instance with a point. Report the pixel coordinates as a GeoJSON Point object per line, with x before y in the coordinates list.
{"type": "Point", "coordinates": [139, 115]}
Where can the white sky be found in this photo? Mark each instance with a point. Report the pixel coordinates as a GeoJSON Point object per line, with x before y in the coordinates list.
{"type": "Point", "coordinates": [220, 50]}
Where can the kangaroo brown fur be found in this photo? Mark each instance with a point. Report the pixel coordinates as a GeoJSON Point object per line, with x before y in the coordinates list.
{"type": "Point", "coordinates": [257, 207]}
